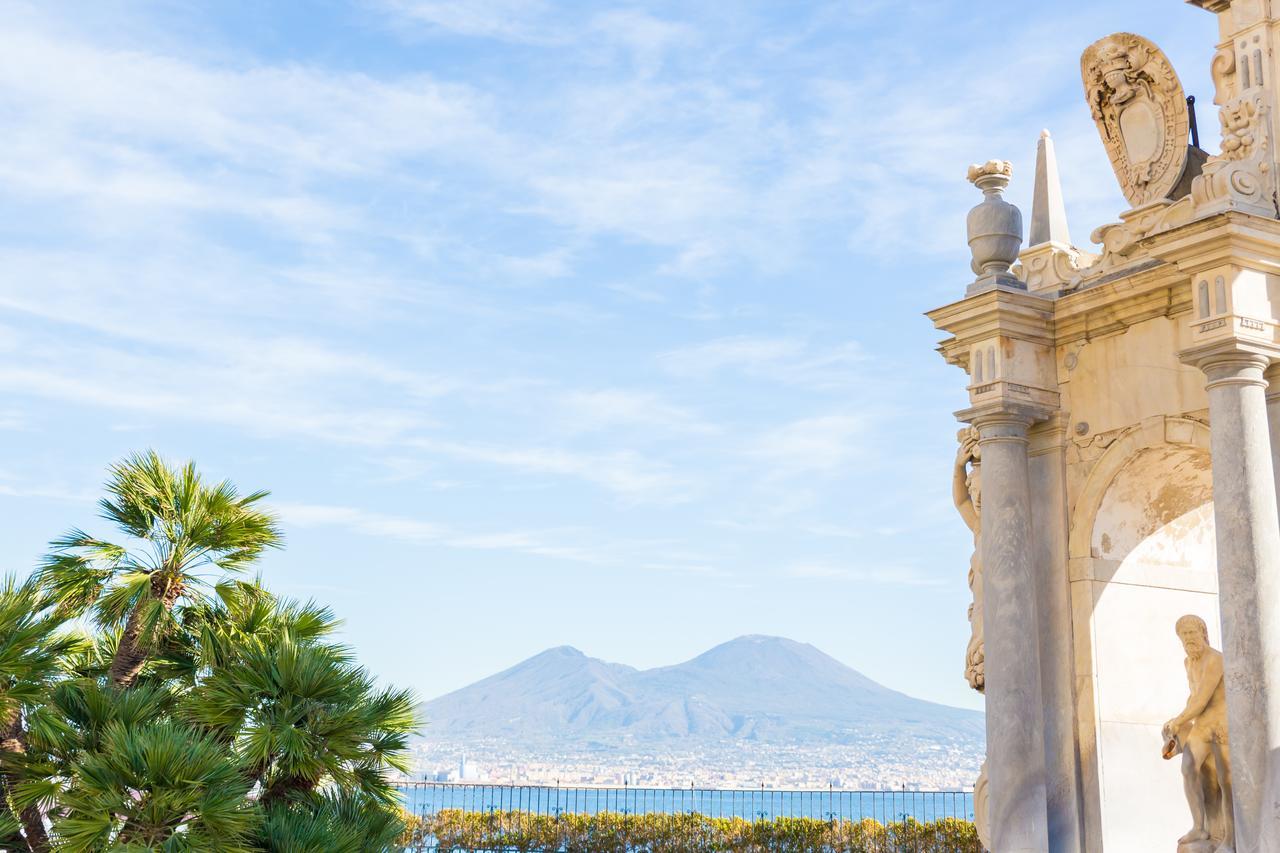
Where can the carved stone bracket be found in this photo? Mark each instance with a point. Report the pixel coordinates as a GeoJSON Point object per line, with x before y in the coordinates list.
{"type": "Point", "coordinates": [1050, 266]}
{"type": "Point", "coordinates": [1241, 177]}
{"type": "Point", "coordinates": [1120, 239]}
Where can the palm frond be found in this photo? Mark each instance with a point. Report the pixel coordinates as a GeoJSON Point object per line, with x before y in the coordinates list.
{"type": "Point", "coordinates": [122, 597]}
{"type": "Point", "coordinates": [331, 822]}
{"type": "Point", "coordinates": [149, 783]}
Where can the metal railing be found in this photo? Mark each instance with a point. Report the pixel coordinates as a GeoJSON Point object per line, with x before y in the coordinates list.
{"type": "Point", "coordinates": [530, 817]}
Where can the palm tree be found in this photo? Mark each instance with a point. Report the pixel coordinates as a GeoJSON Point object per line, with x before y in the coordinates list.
{"type": "Point", "coordinates": [157, 786]}
{"type": "Point", "coordinates": [240, 616]}
{"type": "Point", "coordinates": [179, 527]}
{"type": "Point", "coordinates": [242, 726]}
{"type": "Point", "coordinates": [33, 656]}
{"type": "Point", "coordinates": [302, 716]}
{"type": "Point", "coordinates": [308, 724]}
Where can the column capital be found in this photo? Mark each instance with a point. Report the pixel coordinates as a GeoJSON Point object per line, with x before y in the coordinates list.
{"type": "Point", "coordinates": [1004, 416]}
{"type": "Point", "coordinates": [1232, 359]}
{"type": "Point", "coordinates": [1272, 375]}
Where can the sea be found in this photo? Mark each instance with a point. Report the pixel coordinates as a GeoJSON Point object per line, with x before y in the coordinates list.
{"type": "Point", "coordinates": [426, 798]}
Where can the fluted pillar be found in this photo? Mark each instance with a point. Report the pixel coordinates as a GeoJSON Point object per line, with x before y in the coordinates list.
{"type": "Point", "coordinates": [1015, 709]}
{"type": "Point", "coordinates": [1248, 540]}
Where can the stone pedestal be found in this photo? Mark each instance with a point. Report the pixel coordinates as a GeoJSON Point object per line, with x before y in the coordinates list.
{"type": "Point", "coordinates": [1198, 847]}
{"type": "Point", "coordinates": [1015, 710]}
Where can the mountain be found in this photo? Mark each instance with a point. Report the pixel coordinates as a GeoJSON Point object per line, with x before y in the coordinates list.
{"type": "Point", "coordinates": [767, 690]}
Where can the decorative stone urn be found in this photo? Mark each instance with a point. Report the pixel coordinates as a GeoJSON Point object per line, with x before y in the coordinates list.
{"type": "Point", "coordinates": [995, 227]}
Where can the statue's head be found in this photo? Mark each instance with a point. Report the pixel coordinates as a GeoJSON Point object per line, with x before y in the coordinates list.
{"type": "Point", "coordinates": [1194, 634]}
{"type": "Point", "coordinates": [973, 480]}
{"type": "Point", "coordinates": [973, 470]}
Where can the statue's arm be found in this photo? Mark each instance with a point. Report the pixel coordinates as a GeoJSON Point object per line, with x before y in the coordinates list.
{"type": "Point", "coordinates": [1210, 678]}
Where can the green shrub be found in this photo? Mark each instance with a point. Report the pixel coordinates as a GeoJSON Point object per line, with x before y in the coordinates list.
{"type": "Point", "coordinates": [457, 831]}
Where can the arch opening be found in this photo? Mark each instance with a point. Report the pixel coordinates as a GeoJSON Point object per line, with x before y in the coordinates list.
{"type": "Point", "coordinates": [1153, 558]}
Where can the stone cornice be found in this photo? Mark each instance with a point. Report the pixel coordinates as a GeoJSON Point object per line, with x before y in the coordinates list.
{"type": "Point", "coordinates": [1109, 305]}
{"type": "Point", "coordinates": [1005, 411]}
{"type": "Point", "coordinates": [1112, 304]}
{"type": "Point", "coordinates": [1009, 313]}
{"type": "Point", "coordinates": [1225, 238]}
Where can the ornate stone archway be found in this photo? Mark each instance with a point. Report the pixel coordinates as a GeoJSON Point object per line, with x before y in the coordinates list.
{"type": "Point", "coordinates": [1142, 553]}
{"type": "Point", "coordinates": [1089, 381]}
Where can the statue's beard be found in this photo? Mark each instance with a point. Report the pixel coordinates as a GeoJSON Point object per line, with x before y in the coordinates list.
{"type": "Point", "coordinates": [1195, 652]}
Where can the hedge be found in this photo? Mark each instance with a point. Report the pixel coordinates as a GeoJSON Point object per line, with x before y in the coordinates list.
{"type": "Point", "coordinates": [454, 831]}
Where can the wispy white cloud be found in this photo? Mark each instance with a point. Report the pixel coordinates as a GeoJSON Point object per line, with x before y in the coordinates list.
{"type": "Point", "coordinates": [624, 472]}
{"type": "Point", "coordinates": [294, 388]}
{"type": "Point", "coordinates": [823, 445]}
{"type": "Point", "coordinates": [574, 545]}
{"type": "Point", "coordinates": [644, 36]}
{"type": "Point", "coordinates": [506, 20]}
{"type": "Point", "coordinates": [28, 490]}
{"type": "Point", "coordinates": [710, 165]}
{"type": "Point", "coordinates": [407, 529]}
{"type": "Point", "coordinates": [586, 411]}
{"type": "Point", "coordinates": [889, 575]}
{"type": "Point", "coordinates": [12, 419]}
{"type": "Point", "coordinates": [228, 384]}
{"type": "Point", "coordinates": [789, 360]}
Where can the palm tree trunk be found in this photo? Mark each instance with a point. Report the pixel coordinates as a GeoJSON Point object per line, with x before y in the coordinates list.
{"type": "Point", "coordinates": [286, 787]}
{"type": "Point", "coordinates": [132, 651]}
{"type": "Point", "coordinates": [130, 656]}
{"type": "Point", "coordinates": [14, 741]}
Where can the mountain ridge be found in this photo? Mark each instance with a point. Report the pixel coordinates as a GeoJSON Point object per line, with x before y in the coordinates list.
{"type": "Point", "coordinates": [754, 688]}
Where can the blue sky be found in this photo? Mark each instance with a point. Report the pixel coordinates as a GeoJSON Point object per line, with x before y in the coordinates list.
{"type": "Point", "coordinates": [587, 323]}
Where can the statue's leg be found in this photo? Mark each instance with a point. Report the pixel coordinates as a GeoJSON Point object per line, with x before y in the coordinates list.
{"type": "Point", "coordinates": [1193, 756]}
{"type": "Point", "coordinates": [1222, 754]}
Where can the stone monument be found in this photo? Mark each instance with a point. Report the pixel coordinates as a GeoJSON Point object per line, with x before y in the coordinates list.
{"type": "Point", "coordinates": [1199, 734]}
{"type": "Point", "coordinates": [1118, 468]}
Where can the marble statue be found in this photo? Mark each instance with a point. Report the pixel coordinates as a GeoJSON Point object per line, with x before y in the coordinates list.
{"type": "Point", "coordinates": [966, 488]}
{"type": "Point", "coordinates": [1200, 733]}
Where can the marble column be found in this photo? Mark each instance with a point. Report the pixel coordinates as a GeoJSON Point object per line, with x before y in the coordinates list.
{"type": "Point", "coordinates": [1248, 539]}
{"type": "Point", "coordinates": [1047, 471]}
{"type": "Point", "coordinates": [1015, 709]}
{"type": "Point", "coordinates": [1272, 375]}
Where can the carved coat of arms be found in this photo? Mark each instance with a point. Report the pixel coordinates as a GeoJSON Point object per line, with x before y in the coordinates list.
{"type": "Point", "coordinates": [1141, 113]}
